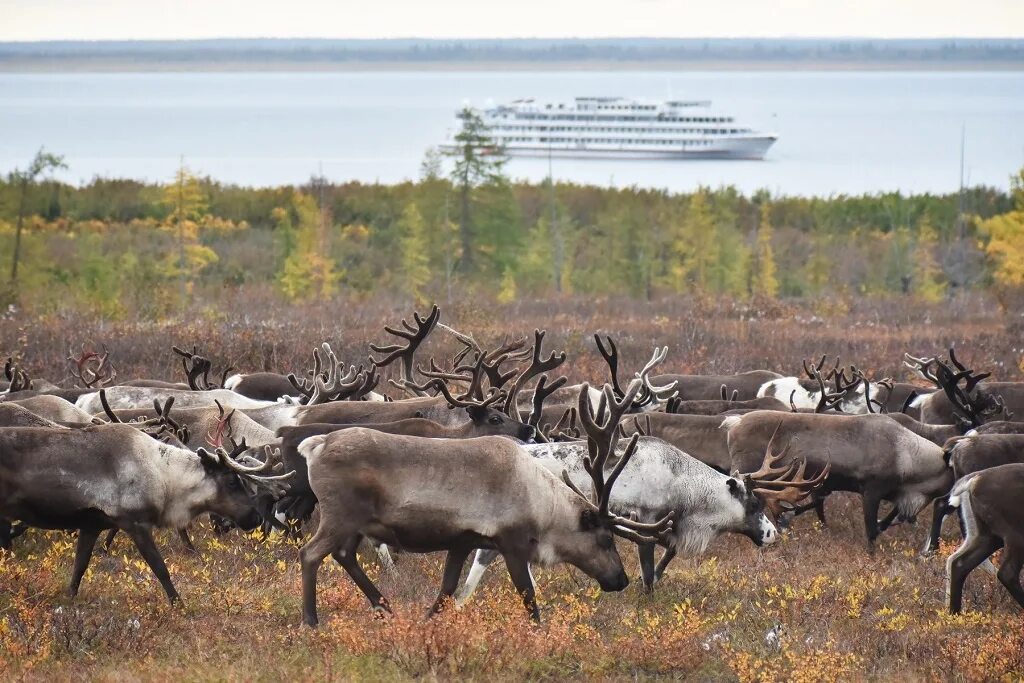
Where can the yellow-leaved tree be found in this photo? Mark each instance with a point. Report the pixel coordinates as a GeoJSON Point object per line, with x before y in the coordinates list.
{"type": "Point", "coordinates": [1003, 242]}
{"type": "Point", "coordinates": [929, 280]}
{"type": "Point", "coordinates": [766, 283]}
{"type": "Point", "coordinates": [308, 272]}
{"type": "Point", "coordinates": [187, 204]}
{"type": "Point", "coordinates": [414, 267]}
{"type": "Point", "coordinates": [695, 246]}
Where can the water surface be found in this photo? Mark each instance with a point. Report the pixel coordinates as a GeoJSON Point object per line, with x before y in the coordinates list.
{"type": "Point", "coordinates": [840, 132]}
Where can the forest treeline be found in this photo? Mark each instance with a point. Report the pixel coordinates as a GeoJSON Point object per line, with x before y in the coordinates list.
{"type": "Point", "coordinates": [127, 248]}
{"type": "Point", "coordinates": [516, 51]}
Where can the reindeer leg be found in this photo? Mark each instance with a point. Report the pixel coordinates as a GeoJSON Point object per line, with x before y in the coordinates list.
{"type": "Point", "coordinates": [817, 504]}
{"type": "Point", "coordinates": [872, 499]}
{"type": "Point", "coordinates": [940, 508]}
{"type": "Point", "coordinates": [887, 521]}
{"type": "Point", "coordinates": [347, 558]}
{"type": "Point", "coordinates": [519, 572]}
{"type": "Point", "coordinates": [385, 559]}
{"type": "Point", "coordinates": [453, 565]}
{"type": "Point", "coordinates": [645, 551]}
{"type": "Point", "coordinates": [143, 539]}
{"type": "Point", "coordinates": [83, 553]}
{"type": "Point", "coordinates": [183, 535]}
{"type": "Point", "coordinates": [819, 509]}
{"type": "Point", "coordinates": [109, 541]}
{"type": "Point", "coordinates": [324, 542]}
{"type": "Point", "coordinates": [972, 552]}
{"type": "Point", "coordinates": [476, 573]}
{"type": "Point", "coordinates": [6, 534]}
{"type": "Point", "coordinates": [1009, 572]}
{"type": "Point", "coordinates": [659, 571]}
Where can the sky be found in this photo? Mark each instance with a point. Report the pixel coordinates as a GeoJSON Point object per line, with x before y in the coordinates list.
{"type": "Point", "coordinates": [26, 20]}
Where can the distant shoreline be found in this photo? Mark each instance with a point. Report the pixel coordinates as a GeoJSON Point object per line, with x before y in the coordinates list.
{"type": "Point", "coordinates": [121, 65]}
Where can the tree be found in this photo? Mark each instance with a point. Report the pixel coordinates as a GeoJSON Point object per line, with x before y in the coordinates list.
{"type": "Point", "coordinates": [765, 282]}
{"type": "Point", "coordinates": [308, 274]}
{"type": "Point", "coordinates": [929, 280]}
{"type": "Point", "coordinates": [414, 268]}
{"type": "Point", "coordinates": [187, 203]}
{"type": "Point", "coordinates": [1004, 240]}
{"type": "Point", "coordinates": [43, 161]}
{"type": "Point", "coordinates": [695, 247]}
{"type": "Point", "coordinates": [478, 161]}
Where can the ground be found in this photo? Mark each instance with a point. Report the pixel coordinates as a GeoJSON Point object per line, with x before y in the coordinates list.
{"type": "Point", "coordinates": [814, 607]}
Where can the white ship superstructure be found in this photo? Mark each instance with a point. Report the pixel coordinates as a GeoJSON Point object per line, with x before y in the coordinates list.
{"type": "Point", "coordinates": [617, 127]}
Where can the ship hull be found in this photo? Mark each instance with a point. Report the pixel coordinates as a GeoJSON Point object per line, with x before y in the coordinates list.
{"type": "Point", "coordinates": [753, 148]}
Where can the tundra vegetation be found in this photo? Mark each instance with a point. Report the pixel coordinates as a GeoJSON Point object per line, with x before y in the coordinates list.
{"type": "Point", "coordinates": [815, 605]}
{"type": "Point", "coordinates": [123, 249]}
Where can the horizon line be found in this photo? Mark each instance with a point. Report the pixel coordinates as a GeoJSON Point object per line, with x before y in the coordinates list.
{"type": "Point", "coordinates": [511, 38]}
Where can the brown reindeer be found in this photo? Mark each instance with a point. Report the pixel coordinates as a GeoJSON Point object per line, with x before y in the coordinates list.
{"type": "Point", "coordinates": [116, 477]}
{"type": "Point", "coordinates": [971, 405]}
{"type": "Point", "coordinates": [428, 495]}
{"type": "Point", "coordinates": [990, 503]}
{"type": "Point", "coordinates": [869, 454]}
{"type": "Point", "coordinates": [967, 455]}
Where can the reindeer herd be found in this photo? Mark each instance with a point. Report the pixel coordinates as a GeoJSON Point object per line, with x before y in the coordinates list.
{"type": "Point", "coordinates": [487, 453]}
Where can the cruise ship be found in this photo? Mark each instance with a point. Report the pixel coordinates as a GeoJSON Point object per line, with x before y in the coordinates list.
{"type": "Point", "coordinates": [622, 128]}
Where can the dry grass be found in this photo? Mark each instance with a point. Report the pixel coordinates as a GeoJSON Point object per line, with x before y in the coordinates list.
{"type": "Point", "coordinates": [838, 612]}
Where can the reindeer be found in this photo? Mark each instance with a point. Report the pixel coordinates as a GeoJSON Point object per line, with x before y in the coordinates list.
{"type": "Point", "coordinates": [989, 502]}
{"type": "Point", "coordinates": [723, 405]}
{"type": "Point", "coordinates": [15, 415]}
{"type": "Point", "coordinates": [965, 456]}
{"type": "Point", "coordinates": [810, 393]}
{"type": "Point", "coordinates": [206, 426]}
{"type": "Point", "coordinates": [129, 397]}
{"type": "Point", "coordinates": [971, 405]}
{"type": "Point", "coordinates": [699, 436]}
{"type": "Point", "coordinates": [260, 386]}
{"type": "Point", "coordinates": [55, 408]}
{"type": "Point", "coordinates": [506, 500]}
{"type": "Point", "coordinates": [115, 476]}
{"type": "Point", "coordinates": [708, 387]}
{"type": "Point", "coordinates": [483, 421]}
{"type": "Point", "coordinates": [997, 427]}
{"type": "Point", "coordinates": [661, 478]}
{"type": "Point", "coordinates": [197, 369]}
{"type": "Point", "coordinates": [869, 454]}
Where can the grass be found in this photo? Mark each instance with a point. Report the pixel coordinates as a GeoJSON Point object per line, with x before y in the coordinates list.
{"type": "Point", "coordinates": [838, 612]}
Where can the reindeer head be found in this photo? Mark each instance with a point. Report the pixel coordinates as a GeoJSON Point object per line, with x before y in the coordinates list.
{"type": "Point", "coordinates": [240, 479]}
{"type": "Point", "coordinates": [773, 487]}
{"type": "Point", "coordinates": [971, 406]}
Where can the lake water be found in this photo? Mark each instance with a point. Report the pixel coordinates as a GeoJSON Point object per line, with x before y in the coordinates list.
{"type": "Point", "coordinates": [839, 132]}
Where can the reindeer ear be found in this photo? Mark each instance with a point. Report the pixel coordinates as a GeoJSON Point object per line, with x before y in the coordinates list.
{"type": "Point", "coordinates": [734, 487]}
{"type": "Point", "coordinates": [476, 412]}
{"type": "Point", "coordinates": [589, 519]}
{"type": "Point", "coordinates": [209, 460]}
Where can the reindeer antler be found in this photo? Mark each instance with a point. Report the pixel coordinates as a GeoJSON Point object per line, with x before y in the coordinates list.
{"type": "Point", "coordinates": [540, 394]}
{"type": "Point", "coordinates": [777, 486]}
{"type": "Point", "coordinates": [601, 441]}
{"type": "Point", "coordinates": [611, 357]}
{"type": "Point", "coordinates": [650, 393]}
{"type": "Point", "coordinates": [414, 336]}
{"type": "Point", "coordinates": [102, 372]}
{"type": "Point", "coordinates": [813, 371]}
{"type": "Point", "coordinates": [538, 365]}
